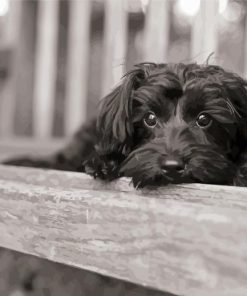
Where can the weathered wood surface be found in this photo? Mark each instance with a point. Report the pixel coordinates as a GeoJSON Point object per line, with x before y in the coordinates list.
{"type": "Point", "coordinates": [185, 239]}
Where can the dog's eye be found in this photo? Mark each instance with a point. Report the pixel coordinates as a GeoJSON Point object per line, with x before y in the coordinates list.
{"type": "Point", "coordinates": [203, 120]}
{"type": "Point", "coordinates": [150, 120]}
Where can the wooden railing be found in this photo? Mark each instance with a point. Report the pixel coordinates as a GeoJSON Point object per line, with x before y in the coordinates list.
{"type": "Point", "coordinates": [184, 240]}
{"type": "Point", "coordinates": [29, 99]}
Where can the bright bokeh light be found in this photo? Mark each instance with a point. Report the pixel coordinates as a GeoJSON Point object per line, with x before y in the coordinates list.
{"type": "Point", "coordinates": [188, 7]}
{"type": "Point", "coordinates": [223, 5]}
{"type": "Point", "coordinates": [4, 7]}
{"type": "Point", "coordinates": [136, 6]}
{"type": "Point", "coordinates": [234, 12]}
{"type": "Point", "coordinates": [144, 4]}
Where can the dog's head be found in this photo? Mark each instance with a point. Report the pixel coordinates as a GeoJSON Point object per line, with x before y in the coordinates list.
{"type": "Point", "coordinates": [174, 123]}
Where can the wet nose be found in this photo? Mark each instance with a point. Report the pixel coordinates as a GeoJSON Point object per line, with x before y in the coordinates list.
{"type": "Point", "coordinates": [173, 165]}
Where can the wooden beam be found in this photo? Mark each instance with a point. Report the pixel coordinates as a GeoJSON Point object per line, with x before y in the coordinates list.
{"type": "Point", "coordinates": [45, 74]}
{"type": "Point", "coordinates": [204, 31]}
{"type": "Point", "coordinates": [115, 38]}
{"type": "Point", "coordinates": [77, 73]}
{"type": "Point", "coordinates": [185, 239]}
{"type": "Point", "coordinates": [156, 32]}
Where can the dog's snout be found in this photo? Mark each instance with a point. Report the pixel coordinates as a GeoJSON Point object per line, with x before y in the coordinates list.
{"type": "Point", "coordinates": [172, 165]}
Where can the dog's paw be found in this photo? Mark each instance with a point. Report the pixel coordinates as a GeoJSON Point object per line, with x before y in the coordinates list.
{"type": "Point", "coordinates": [101, 168]}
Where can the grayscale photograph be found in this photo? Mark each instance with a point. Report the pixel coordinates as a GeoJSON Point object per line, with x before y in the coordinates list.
{"type": "Point", "coordinates": [123, 147]}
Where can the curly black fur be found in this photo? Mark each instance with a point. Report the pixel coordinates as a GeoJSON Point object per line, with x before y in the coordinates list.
{"type": "Point", "coordinates": [179, 147]}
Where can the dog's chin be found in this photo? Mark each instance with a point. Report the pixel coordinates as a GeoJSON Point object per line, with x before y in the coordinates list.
{"type": "Point", "coordinates": [208, 167]}
{"type": "Point", "coordinates": [140, 179]}
{"type": "Point", "coordinates": [145, 171]}
{"type": "Point", "coordinates": [205, 175]}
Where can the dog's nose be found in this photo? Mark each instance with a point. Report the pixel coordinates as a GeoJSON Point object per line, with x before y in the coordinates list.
{"type": "Point", "coordinates": [173, 165]}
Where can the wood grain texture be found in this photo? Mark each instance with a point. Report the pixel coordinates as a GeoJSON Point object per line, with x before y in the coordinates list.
{"type": "Point", "coordinates": [185, 239]}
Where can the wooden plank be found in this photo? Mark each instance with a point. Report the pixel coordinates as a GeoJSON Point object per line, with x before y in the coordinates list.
{"type": "Point", "coordinates": [115, 38]}
{"type": "Point", "coordinates": [77, 73]}
{"type": "Point", "coordinates": [11, 40]}
{"type": "Point", "coordinates": [187, 239]}
{"type": "Point", "coordinates": [156, 32]}
{"type": "Point", "coordinates": [204, 31]}
{"type": "Point", "coordinates": [59, 279]}
{"type": "Point", "coordinates": [45, 75]}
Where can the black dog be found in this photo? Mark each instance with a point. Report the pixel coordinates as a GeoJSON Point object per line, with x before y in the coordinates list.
{"type": "Point", "coordinates": [165, 123]}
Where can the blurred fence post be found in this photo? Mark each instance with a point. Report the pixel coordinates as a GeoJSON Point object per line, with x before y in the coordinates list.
{"type": "Point", "coordinates": [10, 42]}
{"type": "Point", "coordinates": [115, 43]}
{"type": "Point", "coordinates": [204, 31]}
{"type": "Point", "coordinates": [45, 74]}
{"type": "Point", "coordinates": [156, 32]}
{"type": "Point", "coordinates": [77, 69]}
{"type": "Point", "coordinates": [245, 49]}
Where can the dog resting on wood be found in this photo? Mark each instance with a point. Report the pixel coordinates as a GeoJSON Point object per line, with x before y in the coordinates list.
{"type": "Point", "coordinates": [164, 123]}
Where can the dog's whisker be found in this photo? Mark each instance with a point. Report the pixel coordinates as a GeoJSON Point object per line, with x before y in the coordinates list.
{"type": "Point", "coordinates": [168, 177]}
{"type": "Point", "coordinates": [138, 185]}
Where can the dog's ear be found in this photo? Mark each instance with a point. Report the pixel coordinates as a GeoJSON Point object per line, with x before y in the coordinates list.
{"type": "Point", "coordinates": [114, 120]}
{"type": "Point", "coordinates": [235, 89]}
{"type": "Point", "coordinates": [236, 96]}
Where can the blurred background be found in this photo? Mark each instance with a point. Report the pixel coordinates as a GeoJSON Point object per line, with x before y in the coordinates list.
{"type": "Point", "coordinates": [58, 58]}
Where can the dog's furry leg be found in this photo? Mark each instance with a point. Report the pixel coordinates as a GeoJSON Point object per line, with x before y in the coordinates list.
{"type": "Point", "coordinates": [79, 155]}
{"type": "Point", "coordinates": [102, 166]}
